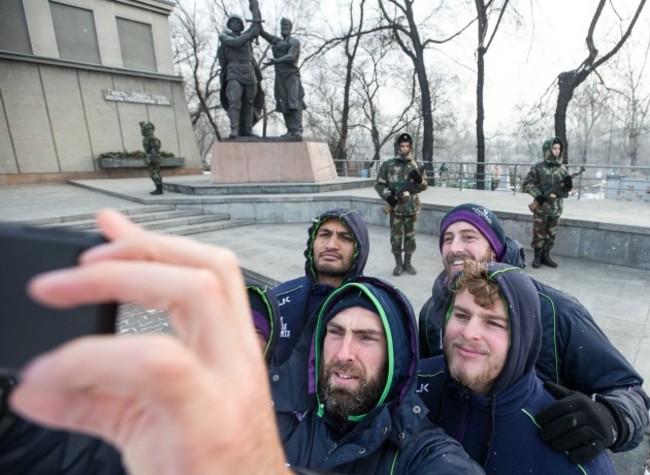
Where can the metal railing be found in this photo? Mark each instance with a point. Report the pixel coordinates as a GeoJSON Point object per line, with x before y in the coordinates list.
{"type": "Point", "coordinates": [597, 182]}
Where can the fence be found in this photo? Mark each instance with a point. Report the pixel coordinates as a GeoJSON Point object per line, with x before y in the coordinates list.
{"type": "Point", "coordinates": [597, 182]}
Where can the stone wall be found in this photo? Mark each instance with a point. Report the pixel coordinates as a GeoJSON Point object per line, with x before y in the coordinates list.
{"type": "Point", "coordinates": [55, 118]}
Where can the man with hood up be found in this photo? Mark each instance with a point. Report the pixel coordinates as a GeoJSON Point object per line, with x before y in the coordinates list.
{"type": "Point", "coordinates": [393, 176]}
{"type": "Point", "coordinates": [345, 401]}
{"type": "Point", "coordinates": [542, 177]}
{"type": "Point", "coordinates": [337, 249]}
{"type": "Point", "coordinates": [266, 317]}
{"type": "Point", "coordinates": [485, 392]}
{"type": "Point", "coordinates": [575, 352]}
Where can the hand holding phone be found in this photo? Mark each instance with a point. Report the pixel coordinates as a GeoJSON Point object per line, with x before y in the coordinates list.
{"type": "Point", "coordinates": [26, 327]}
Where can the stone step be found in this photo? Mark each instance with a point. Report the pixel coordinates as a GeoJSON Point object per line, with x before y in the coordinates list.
{"type": "Point", "coordinates": [185, 221]}
{"type": "Point", "coordinates": [143, 219]}
{"type": "Point", "coordinates": [206, 227]}
{"type": "Point", "coordinates": [163, 219]}
{"type": "Point", "coordinates": [90, 216]}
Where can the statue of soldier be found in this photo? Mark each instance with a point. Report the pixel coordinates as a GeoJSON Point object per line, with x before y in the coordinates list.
{"type": "Point", "coordinates": [151, 146]}
{"type": "Point", "coordinates": [241, 93]}
{"type": "Point", "coordinates": [289, 93]}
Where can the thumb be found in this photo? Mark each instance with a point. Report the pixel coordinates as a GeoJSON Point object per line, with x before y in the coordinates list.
{"type": "Point", "coordinates": [556, 390]}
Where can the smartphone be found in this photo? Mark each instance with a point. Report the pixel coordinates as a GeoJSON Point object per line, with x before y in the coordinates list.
{"type": "Point", "coordinates": [28, 328]}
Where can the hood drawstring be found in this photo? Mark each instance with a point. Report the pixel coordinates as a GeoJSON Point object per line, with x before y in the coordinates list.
{"type": "Point", "coordinates": [489, 436]}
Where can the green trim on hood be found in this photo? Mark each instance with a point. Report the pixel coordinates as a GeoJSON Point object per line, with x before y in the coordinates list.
{"type": "Point", "coordinates": [320, 339]}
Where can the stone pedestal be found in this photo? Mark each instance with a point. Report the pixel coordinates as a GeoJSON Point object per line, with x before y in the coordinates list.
{"type": "Point", "coordinates": [271, 162]}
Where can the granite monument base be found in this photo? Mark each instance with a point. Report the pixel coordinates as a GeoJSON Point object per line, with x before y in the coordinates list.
{"type": "Point", "coordinates": [271, 162]}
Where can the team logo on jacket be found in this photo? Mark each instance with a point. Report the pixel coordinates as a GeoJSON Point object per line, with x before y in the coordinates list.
{"type": "Point", "coordinates": [284, 331]}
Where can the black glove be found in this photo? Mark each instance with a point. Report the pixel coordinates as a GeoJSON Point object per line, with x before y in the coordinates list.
{"type": "Point", "coordinates": [567, 183]}
{"type": "Point", "coordinates": [391, 200]}
{"type": "Point", "coordinates": [6, 415]}
{"type": "Point", "coordinates": [415, 177]}
{"type": "Point", "coordinates": [580, 425]}
{"type": "Point", "coordinates": [541, 199]}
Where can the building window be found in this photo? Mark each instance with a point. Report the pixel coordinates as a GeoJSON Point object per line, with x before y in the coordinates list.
{"type": "Point", "coordinates": [75, 32]}
{"type": "Point", "coordinates": [14, 35]}
{"type": "Point", "coordinates": [136, 42]}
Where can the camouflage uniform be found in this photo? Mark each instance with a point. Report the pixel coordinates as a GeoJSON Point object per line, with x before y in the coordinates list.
{"type": "Point", "coordinates": [541, 177]}
{"type": "Point", "coordinates": [403, 217]}
{"type": "Point", "coordinates": [151, 146]}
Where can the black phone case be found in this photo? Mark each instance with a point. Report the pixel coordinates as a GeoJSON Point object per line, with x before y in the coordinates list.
{"type": "Point", "coordinates": [26, 327]}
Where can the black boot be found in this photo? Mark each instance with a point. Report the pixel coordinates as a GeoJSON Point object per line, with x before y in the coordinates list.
{"type": "Point", "coordinates": [547, 261]}
{"type": "Point", "coordinates": [157, 191]}
{"type": "Point", "coordinates": [537, 263]}
{"type": "Point", "coordinates": [407, 264]}
{"type": "Point", "coordinates": [398, 264]}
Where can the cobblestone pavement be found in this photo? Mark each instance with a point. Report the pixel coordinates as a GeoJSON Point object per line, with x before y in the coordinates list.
{"type": "Point", "coordinates": [133, 318]}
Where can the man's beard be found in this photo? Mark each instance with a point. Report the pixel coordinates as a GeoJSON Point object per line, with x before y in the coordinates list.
{"type": "Point", "coordinates": [331, 270]}
{"type": "Point", "coordinates": [475, 379]}
{"type": "Point", "coordinates": [343, 402]}
{"type": "Point", "coordinates": [487, 257]}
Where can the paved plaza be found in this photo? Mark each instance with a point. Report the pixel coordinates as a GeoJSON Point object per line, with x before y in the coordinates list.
{"type": "Point", "coordinates": [618, 297]}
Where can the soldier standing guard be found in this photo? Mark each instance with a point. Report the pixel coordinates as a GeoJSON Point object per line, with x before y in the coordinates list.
{"type": "Point", "coordinates": [289, 94]}
{"type": "Point", "coordinates": [151, 147]}
{"type": "Point", "coordinates": [541, 178]}
{"type": "Point", "coordinates": [393, 179]}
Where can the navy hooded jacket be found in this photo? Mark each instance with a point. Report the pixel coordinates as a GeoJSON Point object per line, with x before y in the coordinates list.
{"type": "Point", "coordinates": [572, 344]}
{"type": "Point", "coordinates": [265, 308]}
{"type": "Point", "coordinates": [394, 437]}
{"type": "Point", "coordinates": [300, 298]}
{"type": "Point", "coordinates": [499, 429]}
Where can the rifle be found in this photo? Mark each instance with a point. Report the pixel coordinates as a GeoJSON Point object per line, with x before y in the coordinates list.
{"type": "Point", "coordinates": [552, 190]}
{"type": "Point", "coordinates": [407, 188]}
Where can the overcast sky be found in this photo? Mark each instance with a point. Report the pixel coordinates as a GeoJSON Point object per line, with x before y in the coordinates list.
{"type": "Point", "coordinates": [524, 60]}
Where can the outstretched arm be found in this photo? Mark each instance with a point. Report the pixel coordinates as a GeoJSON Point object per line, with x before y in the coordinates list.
{"type": "Point", "coordinates": [170, 406]}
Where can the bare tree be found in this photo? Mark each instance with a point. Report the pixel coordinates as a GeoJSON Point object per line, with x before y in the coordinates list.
{"type": "Point", "coordinates": [194, 55]}
{"type": "Point", "coordinates": [399, 17]}
{"type": "Point", "coordinates": [591, 105]}
{"type": "Point", "coordinates": [371, 82]}
{"type": "Point", "coordinates": [350, 50]}
{"type": "Point", "coordinates": [484, 10]}
{"type": "Point", "coordinates": [633, 100]}
{"type": "Point", "coordinates": [568, 81]}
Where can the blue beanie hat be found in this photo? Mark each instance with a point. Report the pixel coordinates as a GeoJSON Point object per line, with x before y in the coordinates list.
{"type": "Point", "coordinates": [483, 219]}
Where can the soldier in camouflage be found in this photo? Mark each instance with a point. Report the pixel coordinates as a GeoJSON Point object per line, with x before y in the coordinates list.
{"type": "Point", "coordinates": [151, 146]}
{"type": "Point", "coordinates": [541, 178]}
{"type": "Point", "coordinates": [404, 206]}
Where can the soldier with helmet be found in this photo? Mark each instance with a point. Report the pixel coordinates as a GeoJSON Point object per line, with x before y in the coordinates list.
{"type": "Point", "coordinates": [399, 181]}
{"type": "Point", "coordinates": [542, 177]}
{"type": "Point", "coordinates": [240, 76]}
{"type": "Point", "coordinates": [151, 145]}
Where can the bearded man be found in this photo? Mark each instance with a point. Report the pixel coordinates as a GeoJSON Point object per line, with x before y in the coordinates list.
{"type": "Point", "coordinates": [345, 400]}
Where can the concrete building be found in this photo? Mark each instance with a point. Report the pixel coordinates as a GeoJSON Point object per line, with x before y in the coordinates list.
{"type": "Point", "coordinates": [77, 77]}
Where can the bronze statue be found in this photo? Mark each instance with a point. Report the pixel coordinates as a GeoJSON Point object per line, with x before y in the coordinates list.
{"type": "Point", "coordinates": [241, 93]}
{"type": "Point", "coordinates": [289, 93]}
{"type": "Point", "coordinates": [151, 146]}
